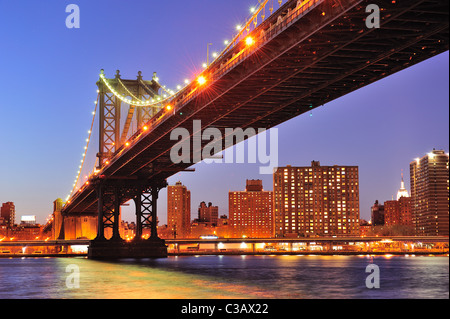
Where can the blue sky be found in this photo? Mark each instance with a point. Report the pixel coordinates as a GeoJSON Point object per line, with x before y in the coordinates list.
{"type": "Point", "coordinates": [47, 85]}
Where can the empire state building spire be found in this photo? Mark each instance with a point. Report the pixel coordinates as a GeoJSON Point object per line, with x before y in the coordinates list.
{"type": "Point", "coordinates": [402, 192]}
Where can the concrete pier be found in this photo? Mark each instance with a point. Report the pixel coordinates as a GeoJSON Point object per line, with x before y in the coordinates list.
{"type": "Point", "coordinates": [119, 249]}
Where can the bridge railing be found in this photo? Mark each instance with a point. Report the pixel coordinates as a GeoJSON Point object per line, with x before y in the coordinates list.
{"type": "Point", "coordinates": [266, 32]}
{"type": "Point", "coordinates": [232, 57]}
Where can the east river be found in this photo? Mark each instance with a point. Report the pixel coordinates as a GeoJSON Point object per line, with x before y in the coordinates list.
{"type": "Point", "coordinates": [234, 277]}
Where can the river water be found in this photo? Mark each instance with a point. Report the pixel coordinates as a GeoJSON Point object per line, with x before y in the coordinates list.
{"type": "Point", "coordinates": [212, 277]}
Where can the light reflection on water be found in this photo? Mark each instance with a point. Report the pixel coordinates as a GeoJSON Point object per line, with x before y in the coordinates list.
{"type": "Point", "coordinates": [214, 277]}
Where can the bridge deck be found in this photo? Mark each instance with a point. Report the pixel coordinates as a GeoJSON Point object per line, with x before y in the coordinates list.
{"type": "Point", "coordinates": [301, 60]}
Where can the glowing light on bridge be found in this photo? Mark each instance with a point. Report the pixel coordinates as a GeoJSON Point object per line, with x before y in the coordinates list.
{"type": "Point", "coordinates": [249, 41]}
{"type": "Point", "coordinates": [201, 80]}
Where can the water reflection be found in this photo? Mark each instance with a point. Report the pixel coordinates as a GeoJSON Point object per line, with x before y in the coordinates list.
{"type": "Point", "coordinates": [150, 279]}
{"type": "Point", "coordinates": [215, 277]}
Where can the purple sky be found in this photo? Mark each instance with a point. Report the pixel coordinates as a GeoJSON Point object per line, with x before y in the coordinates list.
{"type": "Point", "coordinates": [48, 87]}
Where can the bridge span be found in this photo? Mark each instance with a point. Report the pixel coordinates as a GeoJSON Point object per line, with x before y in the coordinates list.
{"type": "Point", "coordinates": [304, 55]}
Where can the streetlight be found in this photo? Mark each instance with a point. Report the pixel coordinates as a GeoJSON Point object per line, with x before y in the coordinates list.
{"type": "Point", "coordinates": [207, 53]}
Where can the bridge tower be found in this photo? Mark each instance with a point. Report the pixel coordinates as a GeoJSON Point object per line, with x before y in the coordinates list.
{"type": "Point", "coordinates": [110, 109]}
{"type": "Point", "coordinates": [111, 191]}
{"type": "Point", "coordinates": [58, 220]}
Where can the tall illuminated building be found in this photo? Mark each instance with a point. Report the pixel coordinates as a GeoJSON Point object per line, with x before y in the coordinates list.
{"type": "Point", "coordinates": [8, 212]}
{"type": "Point", "coordinates": [316, 201]}
{"type": "Point", "coordinates": [250, 211]}
{"type": "Point", "coordinates": [430, 194]}
{"type": "Point", "coordinates": [398, 212]}
{"type": "Point", "coordinates": [178, 210]}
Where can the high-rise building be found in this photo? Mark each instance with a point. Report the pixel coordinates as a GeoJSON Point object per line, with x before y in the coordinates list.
{"type": "Point", "coordinates": [398, 212]}
{"type": "Point", "coordinates": [178, 210]}
{"type": "Point", "coordinates": [250, 211]}
{"type": "Point", "coordinates": [377, 214]}
{"type": "Point", "coordinates": [430, 194]}
{"type": "Point", "coordinates": [8, 212]}
{"type": "Point", "coordinates": [316, 201]}
{"type": "Point", "coordinates": [208, 214]}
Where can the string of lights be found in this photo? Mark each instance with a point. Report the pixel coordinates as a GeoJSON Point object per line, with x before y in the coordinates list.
{"type": "Point", "coordinates": [128, 91]}
{"type": "Point", "coordinates": [150, 102]}
{"type": "Point", "coordinates": [80, 168]}
{"type": "Point", "coordinates": [158, 98]}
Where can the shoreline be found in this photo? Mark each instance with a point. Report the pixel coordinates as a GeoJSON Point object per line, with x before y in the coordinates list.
{"type": "Point", "coordinates": [279, 253]}
{"type": "Point", "coordinates": [286, 253]}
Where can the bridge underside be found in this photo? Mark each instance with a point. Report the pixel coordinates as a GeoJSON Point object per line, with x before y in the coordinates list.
{"type": "Point", "coordinates": [297, 64]}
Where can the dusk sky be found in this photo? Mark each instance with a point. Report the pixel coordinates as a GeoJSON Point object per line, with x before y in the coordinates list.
{"type": "Point", "coordinates": [48, 86]}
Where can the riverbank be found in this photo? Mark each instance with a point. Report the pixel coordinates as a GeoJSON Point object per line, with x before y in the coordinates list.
{"type": "Point", "coordinates": [42, 255]}
{"type": "Point", "coordinates": [238, 253]}
{"type": "Point", "coordinates": [311, 253]}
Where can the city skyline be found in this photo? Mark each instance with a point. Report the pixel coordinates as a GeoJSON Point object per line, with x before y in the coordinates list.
{"type": "Point", "coordinates": [374, 128]}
